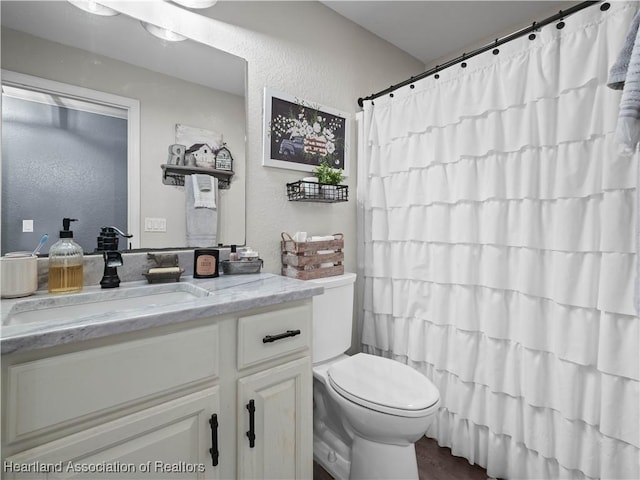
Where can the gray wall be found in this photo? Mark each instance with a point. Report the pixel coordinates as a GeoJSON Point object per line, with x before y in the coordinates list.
{"type": "Point", "coordinates": [48, 151]}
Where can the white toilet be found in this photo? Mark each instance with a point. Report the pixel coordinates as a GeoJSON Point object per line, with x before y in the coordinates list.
{"type": "Point", "coordinates": [368, 411]}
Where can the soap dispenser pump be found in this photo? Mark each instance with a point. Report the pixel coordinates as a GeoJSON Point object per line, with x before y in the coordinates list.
{"type": "Point", "coordinates": [66, 262]}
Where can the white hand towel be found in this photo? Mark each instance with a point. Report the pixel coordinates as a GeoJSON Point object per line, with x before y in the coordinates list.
{"type": "Point", "coordinates": [320, 238]}
{"type": "Point", "coordinates": [618, 72]}
{"type": "Point", "coordinates": [204, 191]}
{"type": "Point", "coordinates": [625, 75]}
{"type": "Point", "coordinates": [202, 223]}
{"type": "Point", "coordinates": [204, 182]}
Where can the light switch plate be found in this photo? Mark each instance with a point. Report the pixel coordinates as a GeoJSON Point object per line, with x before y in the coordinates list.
{"type": "Point", "coordinates": [27, 226]}
{"type": "Point", "coordinates": [155, 224]}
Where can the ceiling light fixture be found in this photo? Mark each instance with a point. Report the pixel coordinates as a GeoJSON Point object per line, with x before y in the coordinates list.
{"type": "Point", "coordinates": [163, 33]}
{"type": "Point", "coordinates": [93, 7]}
{"type": "Point", "coordinates": [196, 3]}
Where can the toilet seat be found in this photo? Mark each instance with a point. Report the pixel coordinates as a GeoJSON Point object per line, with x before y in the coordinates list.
{"type": "Point", "coordinates": [383, 385]}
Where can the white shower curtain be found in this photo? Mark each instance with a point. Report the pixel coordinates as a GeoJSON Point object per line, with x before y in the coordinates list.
{"type": "Point", "coordinates": [498, 252]}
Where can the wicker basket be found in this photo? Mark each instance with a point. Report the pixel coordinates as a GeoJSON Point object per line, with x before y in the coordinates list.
{"type": "Point", "coordinates": [301, 260]}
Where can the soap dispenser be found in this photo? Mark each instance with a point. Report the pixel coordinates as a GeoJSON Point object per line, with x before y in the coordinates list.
{"type": "Point", "coordinates": [65, 262]}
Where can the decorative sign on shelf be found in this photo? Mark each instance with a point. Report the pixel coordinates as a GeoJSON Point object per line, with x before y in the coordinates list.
{"type": "Point", "coordinates": [197, 149]}
{"type": "Point", "coordinates": [176, 154]}
{"type": "Point", "coordinates": [201, 156]}
{"type": "Point", "coordinates": [224, 160]}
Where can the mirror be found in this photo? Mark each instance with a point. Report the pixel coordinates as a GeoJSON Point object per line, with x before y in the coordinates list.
{"type": "Point", "coordinates": [174, 83]}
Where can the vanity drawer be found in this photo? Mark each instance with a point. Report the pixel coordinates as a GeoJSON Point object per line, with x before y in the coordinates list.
{"type": "Point", "coordinates": [266, 336]}
{"type": "Point", "coordinates": [58, 391]}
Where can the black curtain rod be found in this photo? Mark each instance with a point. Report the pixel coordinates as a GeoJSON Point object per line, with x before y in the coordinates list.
{"type": "Point", "coordinates": [561, 15]}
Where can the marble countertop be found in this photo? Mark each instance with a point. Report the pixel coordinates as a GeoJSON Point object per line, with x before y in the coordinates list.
{"type": "Point", "coordinates": [227, 294]}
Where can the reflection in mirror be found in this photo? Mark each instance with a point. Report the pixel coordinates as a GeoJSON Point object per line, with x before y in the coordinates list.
{"type": "Point", "coordinates": [173, 83]}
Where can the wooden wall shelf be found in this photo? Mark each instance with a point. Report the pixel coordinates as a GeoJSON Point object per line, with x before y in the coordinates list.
{"type": "Point", "coordinates": [174, 174]}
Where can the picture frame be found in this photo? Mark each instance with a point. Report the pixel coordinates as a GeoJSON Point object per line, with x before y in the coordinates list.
{"type": "Point", "coordinates": [300, 134]}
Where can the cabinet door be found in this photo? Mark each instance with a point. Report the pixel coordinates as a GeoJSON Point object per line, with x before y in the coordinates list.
{"type": "Point", "coordinates": [54, 392]}
{"type": "Point", "coordinates": [171, 440]}
{"type": "Point", "coordinates": [282, 423]}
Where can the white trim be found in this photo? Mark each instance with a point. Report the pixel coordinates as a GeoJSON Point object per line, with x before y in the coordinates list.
{"type": "Point", "coordinates": [74, 95]}
{"type": "Point", "coordinates": [66, 102]}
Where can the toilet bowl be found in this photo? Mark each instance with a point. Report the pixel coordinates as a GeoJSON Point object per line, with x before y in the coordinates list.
{"type": "Point", "coordinates": [384, 407]}
{"type": "Point", "coordinates": [368, 410]}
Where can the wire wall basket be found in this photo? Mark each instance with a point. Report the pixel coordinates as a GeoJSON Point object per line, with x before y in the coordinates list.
{"type": "Point", "coordinates": [303, 191]}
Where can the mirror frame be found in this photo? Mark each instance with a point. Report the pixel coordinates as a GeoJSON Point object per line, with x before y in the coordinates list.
{"type": "Point", "coordinates": [198, 28]}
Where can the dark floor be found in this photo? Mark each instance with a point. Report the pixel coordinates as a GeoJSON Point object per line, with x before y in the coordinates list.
{"type": "Point", "coordinates": [434, 463]}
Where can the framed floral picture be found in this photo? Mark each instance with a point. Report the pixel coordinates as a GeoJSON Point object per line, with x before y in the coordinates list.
{"type": "Point", "coordinates": [299, 134]}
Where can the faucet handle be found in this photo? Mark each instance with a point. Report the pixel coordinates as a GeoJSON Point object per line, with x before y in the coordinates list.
{"type": "Point", "coordinates": [108, 239]}
{"type": "Point", "coordinates": [111, 230]}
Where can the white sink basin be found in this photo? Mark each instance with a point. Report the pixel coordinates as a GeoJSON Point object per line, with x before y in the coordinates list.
{"type": "Point", "coordinates": [62, 308]}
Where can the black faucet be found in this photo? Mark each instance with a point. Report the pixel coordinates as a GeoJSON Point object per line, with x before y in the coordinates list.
{"type": "Point", "coordinates": [112, 260]}
{"type": "Point", "coordinates": [108, 245]}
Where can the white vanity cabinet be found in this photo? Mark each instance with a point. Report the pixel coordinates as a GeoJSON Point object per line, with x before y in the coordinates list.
{"type": "Point", "coordinates": [153, 443]}
{"type": "Point", "coordinates": [275, 406]}
{"type": "Point", "coordinates": [161, 402]}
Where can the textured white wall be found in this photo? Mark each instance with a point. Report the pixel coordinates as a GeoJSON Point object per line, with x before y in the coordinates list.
{"type": "Point", "coordinates": [304, 49]}
{"type": "Point", "coordinates": [307, 50]}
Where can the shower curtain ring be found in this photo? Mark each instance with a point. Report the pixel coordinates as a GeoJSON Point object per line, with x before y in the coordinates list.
{"type": "Point", "coordinates": [495, 50]}
{"type": "Point", "coordinates": [437, 75]}
{"type": "Point", "coordinates": [560, 24]}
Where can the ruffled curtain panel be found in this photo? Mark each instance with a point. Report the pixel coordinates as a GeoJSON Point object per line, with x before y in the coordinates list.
{"type": "Point", "coordinates": [499, 252]}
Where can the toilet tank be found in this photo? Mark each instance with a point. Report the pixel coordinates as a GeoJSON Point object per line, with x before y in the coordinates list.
{"type": "Point", "coordinates": [333, 316]}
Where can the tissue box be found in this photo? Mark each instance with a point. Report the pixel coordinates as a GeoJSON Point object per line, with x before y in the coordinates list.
{"type": "Point", "coordinates": [309, 260]}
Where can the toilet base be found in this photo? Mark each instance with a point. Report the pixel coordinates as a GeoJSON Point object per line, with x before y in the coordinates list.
{"type": "Point", "coordinates": [371, 460]}
{"type": "Point", "coordinates": [331, 460]}
{"type": "Point", "coordinates": [365, 460]}
{"type": "Point", "coordinates": [331, 451]}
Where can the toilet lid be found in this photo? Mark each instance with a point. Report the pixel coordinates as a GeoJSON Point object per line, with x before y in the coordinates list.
{"type": "Point", "coordinates": [383, 385]}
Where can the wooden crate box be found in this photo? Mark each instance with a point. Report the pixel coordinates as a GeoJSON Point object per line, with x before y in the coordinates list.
{"type": "Point", "coordinates": [301, 260]}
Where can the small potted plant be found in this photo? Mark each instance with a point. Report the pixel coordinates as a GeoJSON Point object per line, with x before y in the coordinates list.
{"type": "Point", "coordinates": [329, 177]}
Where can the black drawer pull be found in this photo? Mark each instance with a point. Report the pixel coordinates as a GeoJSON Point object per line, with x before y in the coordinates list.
{"type": "Point", "coordinates": [213, 421]}
{"type": "Point", "coordinates": [273, 338]}
{"type": "Point", "coordinates": [251, 434]}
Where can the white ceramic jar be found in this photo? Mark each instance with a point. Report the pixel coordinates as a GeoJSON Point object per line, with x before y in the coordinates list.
{"type": "Point", "coordinates": [19, 274]}
{"type": "Point", "coordinates": [310, 189]}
